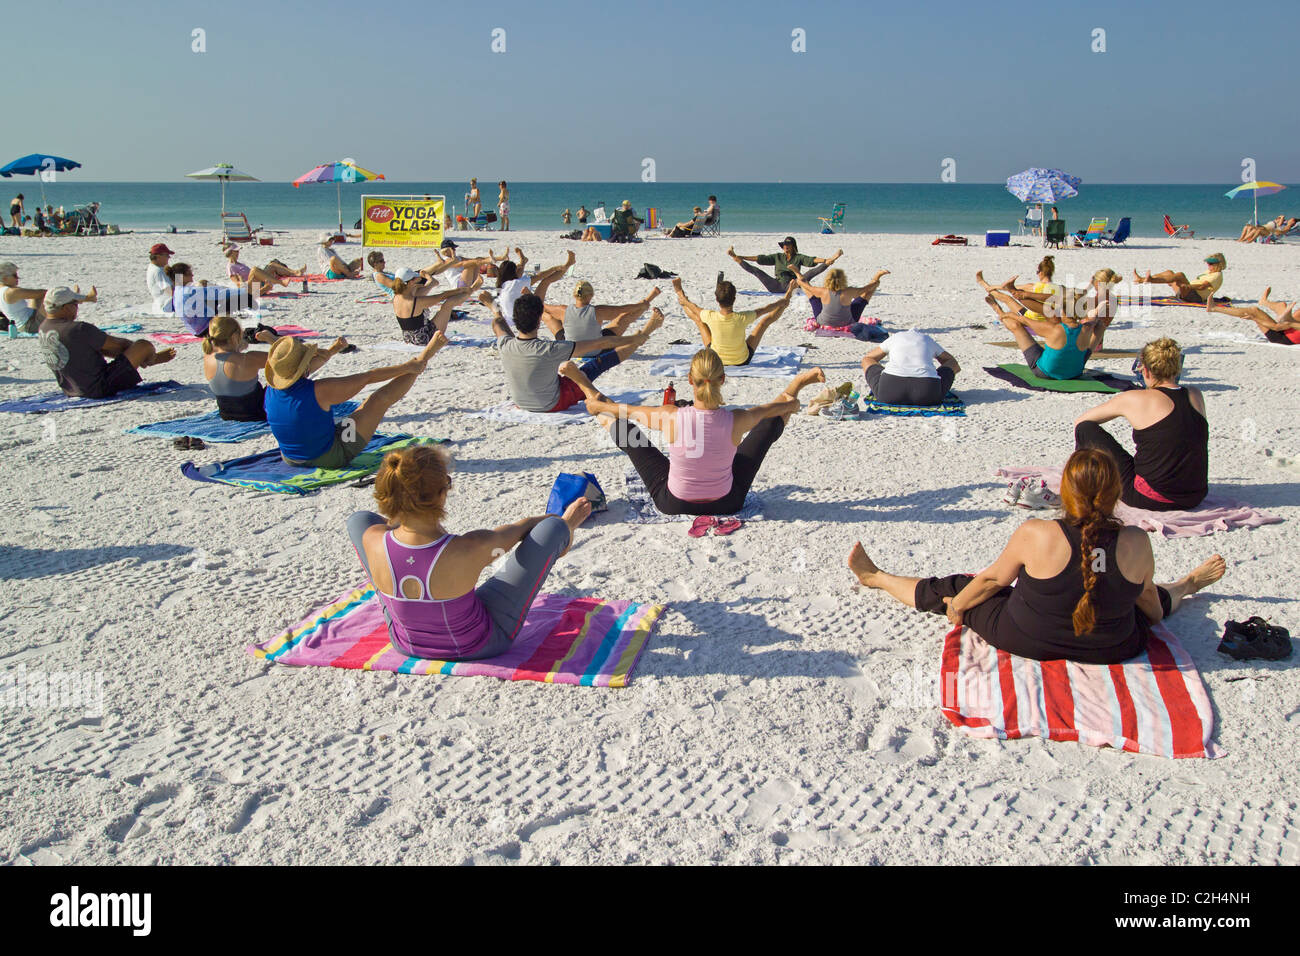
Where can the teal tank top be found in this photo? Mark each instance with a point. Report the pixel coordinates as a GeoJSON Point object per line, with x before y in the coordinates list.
{"type": "Point", "coordinates": [1067, 361]}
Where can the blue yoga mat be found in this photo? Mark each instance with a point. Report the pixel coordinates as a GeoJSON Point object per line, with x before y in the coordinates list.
{"type": "Point", "coordinates": [951, 405]}
{"type": "Point", "coordinates": [58, 402]}
{"type": "Point", "coordinates": [212, 428]}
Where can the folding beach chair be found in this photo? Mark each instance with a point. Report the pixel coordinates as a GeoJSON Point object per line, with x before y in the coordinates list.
{"type": "Point", "coordinates": [836, 220]}
{"type": "Point", "coordinates": [651, 218]}
{"type": "Point", "coordinates": [1054, 233]}
{"type": "Point", "coordinates": [1177, 232]}
{"type": "Point", "coordinates": [1121, 233]}
{"type": "Point", "coordinates": [710, 226]}
{"type": "Point", "coordinates": [1093, 236]}
{"type": "Point", "coordinates": [235, 228]}
{"type": "Point", "coordinates": [478, 223]}
{"type": "Point", "coordinates": [1032, 224]}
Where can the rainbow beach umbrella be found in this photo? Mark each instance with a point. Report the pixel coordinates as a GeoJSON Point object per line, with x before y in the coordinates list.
{"type": "Point", "coordinates": [344, 171]}
{"type": "Point", "coordinates": [1257, 189]}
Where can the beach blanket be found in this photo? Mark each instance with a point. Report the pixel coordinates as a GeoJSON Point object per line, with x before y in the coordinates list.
{"type": "Point", "coordinates": [564, 640]}
{"type": "Point", "coordinates": [184, 338]}
{"type": "Point", "coordinates": [267, 471]}
{"type": "Point", "coordinates": [465, 341]}
{"type": "Point", "coordinates": [641, 509]}
{"type": "Point", "coordinates": [1103, 354]}
{"type": "Point", "coordinates": [1137, 300]}
{"type": "Point", "coordinates": [58, 402]}
{"type": "Point", "coordinates": [212, 428]}
{"type": "Point", "coordinates": [769, 362]}
{"type": "Point", "coordinates": [1215, 513]}
{"type": "Point", "coordinates": [1154, 704]}
{"type": "Point", "coordinates": [951, 405]}
{"type": "Point", "coordinates": [508, 411]}
{"type": "Point", "coordinates": [319, 277]}
{"type": "Point", "coordinates": [1091, 380]}
{"type": "Point", "coordinates": [121, 328]}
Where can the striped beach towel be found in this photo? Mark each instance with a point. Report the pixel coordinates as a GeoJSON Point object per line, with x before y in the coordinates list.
{"type": "Point", "coordinates": [1153, 704]}
{"type": "Point", "coordinates": [185, 338]}
{"type": "Point", "coordinates": [951, 405]}
{"type": "Point", "coordinates": [564, 640]}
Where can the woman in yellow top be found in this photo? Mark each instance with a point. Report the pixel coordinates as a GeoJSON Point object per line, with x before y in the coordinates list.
{"type": "Point", "coordinates": [1197, 291]}
{"type": "Point", "coordinates": [727, 332]}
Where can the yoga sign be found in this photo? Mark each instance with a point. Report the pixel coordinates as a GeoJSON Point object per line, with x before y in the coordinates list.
{"type": "Point", "coordinates": [389, 222]}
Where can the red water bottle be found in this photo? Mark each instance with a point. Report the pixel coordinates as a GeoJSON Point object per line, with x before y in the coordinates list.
{"type": "Point", "coordinates": [670, 395]}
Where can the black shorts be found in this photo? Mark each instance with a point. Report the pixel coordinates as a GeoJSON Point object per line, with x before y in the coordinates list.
{"type": "Point", "coordinates": [1278, 338]}
{"type": "Point", "coordinates": [118, 376]}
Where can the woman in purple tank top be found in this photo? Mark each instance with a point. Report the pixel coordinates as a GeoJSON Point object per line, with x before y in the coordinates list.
{"type": "Point", "coordinates": [714, 453]}
{"type": "Point", "coordinates": [425, 576]}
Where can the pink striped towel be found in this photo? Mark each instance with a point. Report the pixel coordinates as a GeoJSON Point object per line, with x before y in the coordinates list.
{"type": "Point", "coordinates": [1153, 704]}
{"type": "Point", "coordinates": [1215, 513]}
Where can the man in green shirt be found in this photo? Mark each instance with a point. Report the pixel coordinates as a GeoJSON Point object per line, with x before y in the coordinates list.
{"type": "Point", "coordinates": [787, 261]}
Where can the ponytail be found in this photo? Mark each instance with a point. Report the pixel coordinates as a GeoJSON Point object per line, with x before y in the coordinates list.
{"type": "Point", "coordinates": [706, 377]}
{"type": "Point", "coordinates": [221, 329]}
{"type": "Point", "coordinates": [1090, 489]}
{"type": "Point", "coordinates": [1048, 266]}
{"type": "Point", "coordinates": [399, 287]}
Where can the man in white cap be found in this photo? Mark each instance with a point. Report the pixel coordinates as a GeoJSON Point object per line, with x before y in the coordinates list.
{"type": "Point", "coordinates": [78, 353]}
{"type": "Point", "coordinates": [336, 268]}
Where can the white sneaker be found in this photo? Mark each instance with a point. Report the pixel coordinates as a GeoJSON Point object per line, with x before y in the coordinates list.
{"type": "Point", "coordinates": [1038, 497]}
{"type": "Point", "coordinates": [1014, 490]}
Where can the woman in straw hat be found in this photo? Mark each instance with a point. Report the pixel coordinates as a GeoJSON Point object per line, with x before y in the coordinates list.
{"type": "Point", "coordinates": [298, 407]}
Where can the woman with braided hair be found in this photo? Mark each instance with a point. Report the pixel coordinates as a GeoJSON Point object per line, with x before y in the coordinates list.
{"type": "Point", "coordinates": [1084, 584]}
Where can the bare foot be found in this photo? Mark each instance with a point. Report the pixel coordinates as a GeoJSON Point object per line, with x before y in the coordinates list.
{"type": "Point", "coordinates": [653, 292]}
{"type": "Point", "coordinates": [1008, 323]}
{"type": "Point", "coordinates": [1010, 284]}
{"type": "Point", "coordinates": [880, 274]}
{"type": "Point", "coordinates": [979, 277]}
{"type": "Point", "coordinates": [570, 259]}
{"type": "Point", "coordinates": [1138, 280]}
{"type": "Point", "coordinates": [163, 355]}
{"type": "Point", "coordinates": [731, 251]}
{"type": "Point", "coordinates": [574, 516]}
{"type": "Point", "coordinates": [677, 284]}
{"type": "Point", "coordinates": [485, 298]}
{"type": "Point", "coordinates": [656, 319]}
{"type": "Point", "coordinates": [1205, 574]}
{"type": "Point", "coordinates": [437, 341]}
{"type": "Point", "coordinates": [863, 568]}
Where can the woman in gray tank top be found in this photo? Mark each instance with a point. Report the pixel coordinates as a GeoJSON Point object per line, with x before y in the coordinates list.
{"type": "Point", "coordinates": [583, 321]}
{"type": "Point", "coordinates": [837, 304]}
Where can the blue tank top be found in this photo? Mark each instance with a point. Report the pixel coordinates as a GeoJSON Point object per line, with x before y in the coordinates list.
{"type": "Point", "coordinates": [302, 428]}
{"type": "Point", "coordinates": [1067, 361]}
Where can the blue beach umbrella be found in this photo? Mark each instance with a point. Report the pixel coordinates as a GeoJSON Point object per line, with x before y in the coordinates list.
{"type": "Point", "coordinates": [1043, 186]}
{"type": "Point", "coordinates": [36, 164]}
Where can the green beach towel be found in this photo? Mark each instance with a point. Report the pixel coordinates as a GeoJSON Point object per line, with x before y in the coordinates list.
{"type": "Point", "coordinates": [1090, 381]}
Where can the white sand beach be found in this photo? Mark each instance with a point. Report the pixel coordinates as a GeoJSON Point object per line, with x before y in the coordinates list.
{"type": "Point", "coordinates": [781, 713]}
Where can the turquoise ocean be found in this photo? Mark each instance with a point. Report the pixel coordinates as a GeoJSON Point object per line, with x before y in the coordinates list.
{"type": "Point", "coordinates": [923, 208]}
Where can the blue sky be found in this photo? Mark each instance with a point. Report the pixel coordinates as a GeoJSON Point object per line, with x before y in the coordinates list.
{"type": "Point", "coordinates": [713, 92]}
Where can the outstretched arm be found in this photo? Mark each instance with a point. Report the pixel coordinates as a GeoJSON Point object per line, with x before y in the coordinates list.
{"type": "Point", "coordinates": [1108, 410]}
{"type": "Point", "coordinates": [787, 403]}
{"type": "Point", "coordinates": [779, 306]}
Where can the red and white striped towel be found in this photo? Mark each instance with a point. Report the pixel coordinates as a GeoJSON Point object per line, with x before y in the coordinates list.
{"type": "Point", "coordinates": [1153, 704]}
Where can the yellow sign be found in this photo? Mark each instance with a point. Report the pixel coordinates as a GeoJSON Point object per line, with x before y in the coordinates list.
{"type": "Point", "coordinates": [396, 221]}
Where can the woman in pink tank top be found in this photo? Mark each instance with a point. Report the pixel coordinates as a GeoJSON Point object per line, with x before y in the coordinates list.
{"type": "Point", "coordinates": [714, 453]}
{"type": "Point", "coordinates": [425, 577]}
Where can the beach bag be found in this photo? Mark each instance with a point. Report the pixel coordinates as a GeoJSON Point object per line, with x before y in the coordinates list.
{"type": "Point", "coordinates": [569, 488]}
{"type": "Point", "coordinates": [651, 271]}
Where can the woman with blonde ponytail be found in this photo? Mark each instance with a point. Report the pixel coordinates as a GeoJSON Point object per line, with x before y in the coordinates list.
{"type": "Point", "coordinates": [714, 453]}
{"type": "Point", "coordinates": [1084, 584]}
{"type": "Point", "coordinates": [1169, 469]}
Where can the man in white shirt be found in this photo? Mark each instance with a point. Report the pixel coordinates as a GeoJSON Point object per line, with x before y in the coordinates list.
{"type": "Point", "coordinates": [910, 378]}
{"type": "Point", "coordinates": [160, 286]}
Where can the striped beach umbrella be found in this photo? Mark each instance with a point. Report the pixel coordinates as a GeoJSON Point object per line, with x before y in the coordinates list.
{"type": "Point", "coordinates": [344, 171]}
{"type": "Point", "coordinates": [1256, 189]}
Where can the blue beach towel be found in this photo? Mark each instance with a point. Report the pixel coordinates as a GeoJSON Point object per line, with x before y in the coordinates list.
{"type": "Point", "coordinates": [58, 402]}
{"type": "Point", "coordinates": [951, 405]}
{"type": "Point", "coordinates": [212, 428]}
{"type": "Point", "coordinates": [769, 361]}
{"type": "Point", "coordinates": [267, 471]}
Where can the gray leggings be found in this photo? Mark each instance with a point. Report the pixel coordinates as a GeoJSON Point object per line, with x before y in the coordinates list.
{"type": "Point", "coordinates": [509, 593]}
{"type": "Point", "coordinates": [773, 284]}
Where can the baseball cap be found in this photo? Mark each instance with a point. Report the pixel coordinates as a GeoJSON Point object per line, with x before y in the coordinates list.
{"type": "Point", "coordinates": [58, 297]}
{"type": "Point", "coordinates": [326, 236]}
{"type": "Point", "coordinates": [159, 249]}
{"type": "Point", "coordinates": [448, 244]}
{"type": "Point", "coordinates": [1217, 259]}
{"type": "Point", "coordinates": [405, 274]}
{"type": "Point", "coordinates": [788, 241]}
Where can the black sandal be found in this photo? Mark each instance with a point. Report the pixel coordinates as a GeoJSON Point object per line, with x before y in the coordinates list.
{"type": "Point", "coordinates": [186, 443]}
{"type": "Point", "coordinates": [1256, 639]}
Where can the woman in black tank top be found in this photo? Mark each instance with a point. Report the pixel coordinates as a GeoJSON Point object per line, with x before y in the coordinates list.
{"type": "Point", "coordinates": [1169, 470]}
{"type": "Point", "coordinates": [411, 304]}
{"type": "Point", "coordinates": [1090, 611]}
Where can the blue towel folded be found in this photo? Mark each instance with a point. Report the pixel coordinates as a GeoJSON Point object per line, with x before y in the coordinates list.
{"type": "Point", "coordinates": [58, 402]}
{"type": "Point", "coordinates": [212, 428]}
{"type": "Point", "coordinates": [951, 405]}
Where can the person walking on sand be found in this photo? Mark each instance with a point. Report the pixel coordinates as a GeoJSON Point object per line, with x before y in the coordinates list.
{"type": "Point", "coordinates": [16, 212]}
{"type": "Point", "coordinates": [503, 205]}
{"type": "Point", "coordinates": [726, 331]}
{"type": "Point", "coordinates": [714, 452]}
{"type": "Point", "coordinates": [434, 606]}
{"type": "Point", "coordinates": [1084, 584]}
{"type": "Point", "coordinates": [788, 262]}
